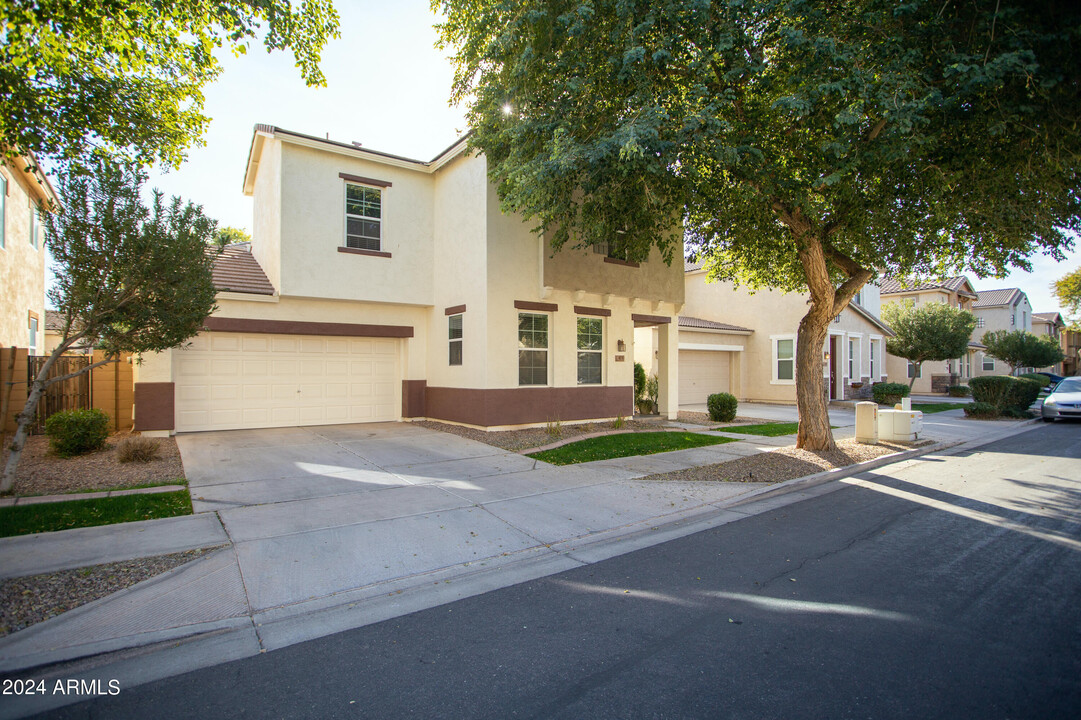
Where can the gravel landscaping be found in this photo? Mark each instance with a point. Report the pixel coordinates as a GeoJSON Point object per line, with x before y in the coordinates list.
{"type": "Point", "coordinates": [787, 463]}
{"type": "Point", "coordinates": [701, 418]}
{"type": "Point", "coordinates": [43, 473]}
{"type": "Point", "coordinates": [515, 440]}
{"type": "Point", "coordinates": [25, 601]}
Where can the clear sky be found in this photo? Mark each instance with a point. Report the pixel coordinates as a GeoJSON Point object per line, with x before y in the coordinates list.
{"type": "Point", "coordinates": [387, 87]}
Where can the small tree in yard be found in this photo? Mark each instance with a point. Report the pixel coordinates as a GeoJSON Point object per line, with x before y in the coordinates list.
{"type": "Point", "coordinates": [1068, 291]}
{"type": "Point", "coordinates": [1020, 349]}
{"type": "Point", "coordinates": [930, 332]}
{"type": "Point", "coordinates": [129, 279]}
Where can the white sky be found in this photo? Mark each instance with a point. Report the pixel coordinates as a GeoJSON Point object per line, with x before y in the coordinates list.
{"type": "Point", "coordinates": [387, 87]}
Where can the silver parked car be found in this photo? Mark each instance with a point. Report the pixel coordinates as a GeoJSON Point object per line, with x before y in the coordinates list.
{"type": "Point", "coordinates": [1064, 401]}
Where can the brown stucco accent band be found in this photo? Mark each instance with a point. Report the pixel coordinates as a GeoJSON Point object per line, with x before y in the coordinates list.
{"type": "Point", "coordinates": [520, 406]}
{"type": "Point", "coordinates": [454, 310]}
{"type": "Point", "coordinates": [154, 406]}
{"type": "Point", "coordinates": [542, 307]}
{"type": "Point", "coordinates": [651, 319]}
{"type": "Point", "coordinates": [365, 180]}
{"type": "Point", "coordinates": [599, 312]}
{"type": "Point", "coordinates": [413, 392]}
{"type": "Point", "coordinates": [359, 251]}
{"type": "Point", "coordinates": [617, 261]}
{"type": "Point", "coordinates": [297, 327]}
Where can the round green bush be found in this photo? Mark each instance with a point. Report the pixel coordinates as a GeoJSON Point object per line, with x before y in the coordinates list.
{"type": "Point", "coordinates": [1006, 393]}
{"type": "Point", "coordinates": [722, 407]}
{"type": "Point", "coordinates": [639, 380]}
{"type": "Point", "coordinates": [889, 393]}
{"type": "Point", "coordinates": [981, 410]}
{"type": "Point", "coordinates": [1042, 379]}
{"type": "Point", "coordinates": [74, 432]}
{"type": "Point", "coordinates": [958, 391]}
{"type": "Point", "coordinates": [1023, 393]}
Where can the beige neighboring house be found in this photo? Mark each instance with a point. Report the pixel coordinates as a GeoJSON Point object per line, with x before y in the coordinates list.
{"type": "Point", "coordinates": [743, 343]}
{"type": "Point", "coordinates": [1005, 309]}
{"type": "Point", "coordinates": [934, 377]}
{"type": "Point", "coordinates": [1053, 326]}
{"type": "Point", "coordinates": [22, 254]}
{"type": "Point", "coordinates": [54, 333]}
{"type": "Point", "coordinates": [381, 288]}
{"type": "Point", "coordinates": [1071, 347]}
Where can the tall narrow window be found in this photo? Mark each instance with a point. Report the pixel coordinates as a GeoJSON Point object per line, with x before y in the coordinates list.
{"type": "Point", "coordinates": [33, 226]}
{"type": "Point", "coordinates": [590, 351]}
{"type": "Point", "coordinates": [454, 334]}
{"type": "Point", "coordinates": [532, 349]}
{"type": "Point", "coordinates": [363, 217]}
{"type": "Point", "coordinates": [852, 359]}
{"type": "Point", "coordinates": [32, 346]}
{"type": "Point", "coordinates": [3, 207]}
{"type": "Point", "coordinates": [873, 376]}
{"type": "Point", "coordinates": [784, 359]}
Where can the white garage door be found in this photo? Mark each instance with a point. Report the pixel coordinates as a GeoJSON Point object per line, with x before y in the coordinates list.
{"type": "Point", "coordinates": [702, 373]}
{"type": "Point", "coordinates": [228, 381]}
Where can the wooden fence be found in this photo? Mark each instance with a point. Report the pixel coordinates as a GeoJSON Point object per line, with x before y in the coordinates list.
{"type": "Point", "coordinates": [110, 388]}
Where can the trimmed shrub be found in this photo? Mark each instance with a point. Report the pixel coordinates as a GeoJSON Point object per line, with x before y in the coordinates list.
{"type": "Point", "coordinates": [74, 432]}
{"type": "Point", "coordinates": [639, 380]}
{"type": "Point", "coordinates": [991, 390]}
{"type": "Point", "coordinates": [1006, 393]}
{"type": "Point", "coordinates": [137, 449]}
{"type": "Point", "coordinates": [958, 391]}
{"type": "Point", "coordinates": [889, 393]}
{"type": "Point", "coordinates": [1042, 379]}
{"type": "Point", "coordinates": [722, 407]}
{"type": "Point", "coordinates": [981, 410]}
{"type": "Point", "coordinates": [1023, 393]}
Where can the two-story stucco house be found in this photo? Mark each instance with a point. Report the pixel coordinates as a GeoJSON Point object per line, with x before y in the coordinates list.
{"type": "Point", "coordinates": [934, 376]}
{"type": "Point", "coordinates": [1006, 309]}
{"type": "Point", "coordinates": [22, 254]}
{"type": "Point", "coordinates": [380, 288]}
{"type": "Point", "coordinates": [732, 340]}
{"type": "Point", "coordinates": [1050, 324]}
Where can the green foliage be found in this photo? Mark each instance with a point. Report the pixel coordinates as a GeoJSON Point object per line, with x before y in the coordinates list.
{"type": "Point", "coordinates": [981, 411]}
{"type": "Point", "coordinates": [937, 407]}
{"type": "Point", "coordinates": [129, 278]}
{"type": "Point", "coordinates": [653, 389]}
{"type": "Point", "coordinates": [625, 445]}
{"type": "Point", "coordinates": [958, 391]}
{"type": "Point", "coordinates": [889, 393]}
{"type": "Point", "coordinates": [1023, 394]}
{"type": "Point", "coordinates": [74, 432]}
{"type": "Point", "coordinates": [1068, 291]}
{"type": "Point", "coordinates": [639, 381]}
{"type": "Point", "coordinates": [765, 429]}
{"type": "Point", "coordinates": [619, 422]}
{"type": "Point", "coordinates": [991, 390]}
{"type": "Point", "coordinates": [1008, 395]}
{"type": "Point", "coordinates": [230, 235]}
{"type": "Point", "coordinates": [722, 407]}
{"type": "Point", "coordinates": [1022, 349]}
{"type": "Point", "coordinates": [929, 332]}
{"type": "Point", "coordinates": [127, 76]}
{"type": "Point", "coordinates": [1042, 379]}
{"type": "Point", "coordinates": [50, 517]}
{"type": "Point", "coordinates": [137, 449]}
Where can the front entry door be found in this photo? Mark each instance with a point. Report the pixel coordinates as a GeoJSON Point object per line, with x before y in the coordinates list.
{"type": "Point", "coordinates": [834, 364]}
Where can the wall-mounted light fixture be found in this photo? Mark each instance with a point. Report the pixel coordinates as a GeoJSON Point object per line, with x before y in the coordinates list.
{"type": "Point", "coordinates": [621, 346]}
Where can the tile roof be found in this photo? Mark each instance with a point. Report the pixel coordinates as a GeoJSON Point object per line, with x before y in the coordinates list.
{"type": "Point", "coordinates": [1050, 317]}
{"type": "Point", "coordinates": [871, 318]}
{"type": "Point", "coordinates": [699, 323]}
{"type": "Point", "coordinates": [237, 270]}
{"type": "Point", "coordinates": [54, 321]}
{"type": "Point", "coordinates": [976, 344]}
{"type": "Point", "coordinates": [954, 284]}
{"type": "Point", "coordinates": [691, 266]}
{"type": "Point", "coordinates": [996, 298]}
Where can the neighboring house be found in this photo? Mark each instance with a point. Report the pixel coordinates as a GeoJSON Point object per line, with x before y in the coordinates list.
{"type": "Point", "coordinates": [379, 288]}
{"type": "Point", "coordinates": [733, 340]}
{"type": "Point", "coordinates": [54, 333]}
{"type": "Point", "coordinates": [1071, 347]}
{"type": "Point", "coordinates": [1006, 309]}
{"type": "Point", "coordinates": [22, 254]}
{"type": "Point", "coordinates": [934, 376]}
{"type": "Point", "coordinates": [1052, 325]}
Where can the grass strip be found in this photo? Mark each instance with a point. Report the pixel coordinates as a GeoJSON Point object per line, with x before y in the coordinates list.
{"type": "Point", "coordinates": [928, 408]}
{"type": "Point", "coordinates": [625, 445]}
{"type": "Point", "coordinates": [48, 517]}
{"type": "Point", "coordinates": [765, 429]}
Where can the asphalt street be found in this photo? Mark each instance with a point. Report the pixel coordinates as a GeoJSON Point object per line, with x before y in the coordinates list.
{"type": "Point", "coordinates": [938, 588]}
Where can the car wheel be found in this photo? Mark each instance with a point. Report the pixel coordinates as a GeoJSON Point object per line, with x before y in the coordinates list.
{"type": "Point", "coordinates": [1048, 419]}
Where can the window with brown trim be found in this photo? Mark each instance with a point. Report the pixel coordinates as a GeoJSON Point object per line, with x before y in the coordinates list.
{"type": "Point", "coordinates": [454, 335]}
{"type": "Point", "coordinates": [532, 349]}
{"type": "Point", "coordinates": [363, 217]}
{"type": "Point", "coordinates": [590, 350]}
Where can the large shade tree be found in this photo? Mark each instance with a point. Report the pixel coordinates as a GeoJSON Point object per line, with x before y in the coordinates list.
{"type": "Point", "coordinates": [933, 331]}
{"type": "Point", "coordinates": [126, 76]}
{"type": "Point", "coordinates": [1067, 290]}
{"type": "Point", "coordinates": [809, 146]}
{"type": "Point", "coordinates": [129, 278]}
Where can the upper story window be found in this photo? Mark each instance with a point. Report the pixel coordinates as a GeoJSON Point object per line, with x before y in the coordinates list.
{"type": "Point", "coordinates": [980, 322]}
{"type": "Point", "coordinates": [454, 338]}
{"type": "Point", "coordinates": [532, 349]}
{"type": "Point", "coordinates": [34, 222]}
{"type": "Point", "coordinates": [590, 350]}
{"type": "Point", "coordinates": [363, 217]}
{"type": "Point", "coordinates": [859, 298]}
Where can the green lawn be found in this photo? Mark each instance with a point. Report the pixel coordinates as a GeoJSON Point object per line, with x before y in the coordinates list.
{"type": "Point", "coordinates": [927, 408]}
{"type": "Point", "coordinates": [774, 429]}
{"type": "Point", "coordinates": [46, 517]}
{"type": "Point", "coordinates": [625, 445]}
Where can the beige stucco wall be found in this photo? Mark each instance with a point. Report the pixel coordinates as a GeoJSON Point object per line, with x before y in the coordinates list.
{"type": "Point", "coordinates": [267, 207]}
{"type": "Point", "coordinates": [22, 265]}
{"type": "Point", "coordinates": [313, 228]}
{"type": "Point", "coordinates": [582, 270]}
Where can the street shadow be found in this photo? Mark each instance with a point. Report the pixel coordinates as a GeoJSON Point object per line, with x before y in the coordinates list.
{"type": "Point", "coordinates": [1066, 436]}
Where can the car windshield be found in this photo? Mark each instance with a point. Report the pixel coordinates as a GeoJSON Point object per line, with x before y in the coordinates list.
{"type": "Point", "coordinates": [1072, 384]}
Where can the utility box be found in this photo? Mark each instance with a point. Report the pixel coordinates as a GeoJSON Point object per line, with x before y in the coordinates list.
{"type": "Point", "coordinates": [867, 423]}
{"type": "Point", "coordinates": [904, 425]}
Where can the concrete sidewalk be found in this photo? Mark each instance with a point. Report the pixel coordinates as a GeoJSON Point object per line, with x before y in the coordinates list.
{"type": "Point", "coordinates": [404, 518]}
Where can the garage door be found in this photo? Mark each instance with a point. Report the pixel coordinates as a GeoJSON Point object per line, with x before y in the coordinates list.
{"type": "Point", "coordinates": [702, 373]}
{"type": "Point", "coordinates": [228, 381]}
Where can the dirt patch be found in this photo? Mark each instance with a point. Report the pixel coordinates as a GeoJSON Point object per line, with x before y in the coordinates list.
{"type": "Point", "coordinates": [701, 418]}
{"type": "Point", "coordinates": [25, 601]}
{"type": "Point", "coordinates": [515, 440]}
{"type": "Point", "coordinates": [787, 463]}
{"type": "Point", "coordinates": [43, 473]}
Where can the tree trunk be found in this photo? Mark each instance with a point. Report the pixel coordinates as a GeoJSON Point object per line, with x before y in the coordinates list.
{"type": "Point", "coordinates": [24, 419]}
{"type": "Point", "coordinates": [811, 400]}
{"type": "Point", "coordinates": [912, 380]}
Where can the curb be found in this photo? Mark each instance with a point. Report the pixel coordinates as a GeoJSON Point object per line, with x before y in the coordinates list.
{"type": "Point", "coordinates": [40, 499]}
